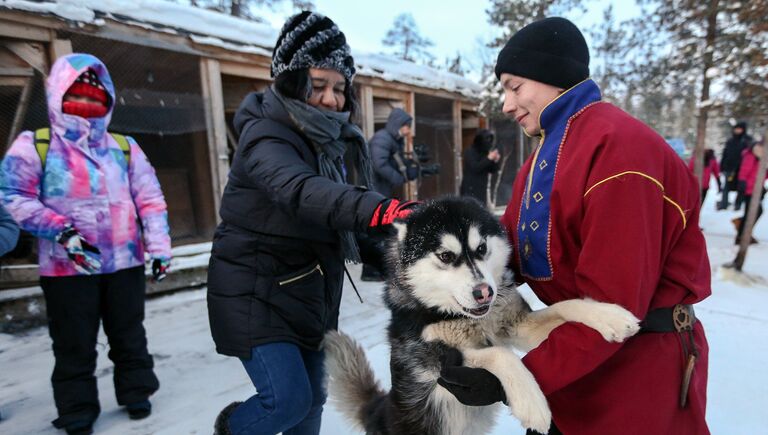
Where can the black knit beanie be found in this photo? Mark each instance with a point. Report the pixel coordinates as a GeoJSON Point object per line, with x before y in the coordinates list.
{"type": "Point", "coordinates": [551, 51]}
{"type": "Point", "coordinates": [311, 40]}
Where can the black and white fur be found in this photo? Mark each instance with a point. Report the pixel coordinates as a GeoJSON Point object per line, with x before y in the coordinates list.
{"type": "Point", "coordinates": [444, 252]}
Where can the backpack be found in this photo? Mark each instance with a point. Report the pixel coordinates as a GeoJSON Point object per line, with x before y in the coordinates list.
{"type": "Point", "coordinates": [43, 141]}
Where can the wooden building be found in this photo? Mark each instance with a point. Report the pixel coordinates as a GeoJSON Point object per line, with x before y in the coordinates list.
{"type": "Point", "coordinates": [180, 73]}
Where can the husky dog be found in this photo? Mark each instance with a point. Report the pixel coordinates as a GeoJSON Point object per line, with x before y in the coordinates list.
{"type": "Point", "coordinates": [448, 285]}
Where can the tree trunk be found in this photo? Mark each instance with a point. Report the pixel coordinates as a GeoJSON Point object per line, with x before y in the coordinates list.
{"type": "Point", "coordinates": [236, 9]}
{"type": "Point", "coordinates": [701, 125]}
{"type": "Point", "coordinates": [754, 204]}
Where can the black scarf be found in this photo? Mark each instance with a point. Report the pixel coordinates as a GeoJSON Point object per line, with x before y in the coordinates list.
{"type": "Point", "coordinates": [331, 134]}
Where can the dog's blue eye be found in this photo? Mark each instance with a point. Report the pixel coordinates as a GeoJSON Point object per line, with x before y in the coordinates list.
{"type": "Point", "coordinates": [446, 257]}
{"type": "Point", "coordinates": [482, 249]}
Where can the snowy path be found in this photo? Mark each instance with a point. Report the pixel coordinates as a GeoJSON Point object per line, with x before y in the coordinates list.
{"type": "Point", "coordinates": [196, 382]}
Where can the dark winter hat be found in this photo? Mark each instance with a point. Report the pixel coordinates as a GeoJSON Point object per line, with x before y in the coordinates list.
{"type": "Point", "coordinates": [551, 51]}
{"type": "Point", "coordinates": [311, 40]}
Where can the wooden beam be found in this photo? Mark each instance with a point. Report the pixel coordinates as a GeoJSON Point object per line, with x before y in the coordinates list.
{"type": "Point", "coordinates": [457, 139]}
{"type": "Point", "coordinates": [216, 127]}
{"type": "Point", "coordinates": [389, 94]}
{"type": "Point", "coordinates": [21, 111]}
{"type": "Point", "coordinates": [32, 53]}
{"type": "Point", "coordinates": [248, 70]}
{"type": "Point", "coordinates": [403, 87]}
{"type": "Point", "coordinates": [16, 72]}
{"type": "Point", "coordinates": [20, 30]}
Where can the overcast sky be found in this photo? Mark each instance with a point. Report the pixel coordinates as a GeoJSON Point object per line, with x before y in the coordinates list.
{"type": "Point", "coordinates": [453, 25]}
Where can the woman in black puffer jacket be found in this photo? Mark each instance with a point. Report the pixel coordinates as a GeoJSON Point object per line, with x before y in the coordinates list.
{"type": "Point", "coordinates": [288, 219]}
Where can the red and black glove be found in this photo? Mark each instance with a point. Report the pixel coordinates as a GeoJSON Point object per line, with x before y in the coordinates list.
{"type": "Point", "coordinates": [84, 255]}
{"type": "Point", "coordinates": [160, 268]}
{"type": "Point", "coordinates": [390, 210]}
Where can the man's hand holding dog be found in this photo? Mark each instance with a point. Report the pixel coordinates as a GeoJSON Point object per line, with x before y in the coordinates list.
{"type": "Point", "coordinates": [471, 386]}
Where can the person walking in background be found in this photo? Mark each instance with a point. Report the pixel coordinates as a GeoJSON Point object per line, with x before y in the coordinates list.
{"type": "Point", "coordinates": [391, 170]}
{"type": "Point", "coordinates": [711, 169]}
{"type": "Point", "coordinates": [750, 162]}
{"type": "Point", "coordinates": [287, 227]}
{"type": "Point", "coordinates": [480, 160]}
{"type": "Point", "coordinates": [9, 231]}
{"type": "Point", "coordinates": [730, 163]}
{"type": "Point", "coordinates": [94, 202]}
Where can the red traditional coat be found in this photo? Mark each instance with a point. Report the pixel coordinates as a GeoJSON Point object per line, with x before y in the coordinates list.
{"type": "Point", "coordinates": [605, 209]}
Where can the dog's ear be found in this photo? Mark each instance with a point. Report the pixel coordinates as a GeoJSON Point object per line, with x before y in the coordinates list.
{"type": "Point", "coordinates": [402, 229]}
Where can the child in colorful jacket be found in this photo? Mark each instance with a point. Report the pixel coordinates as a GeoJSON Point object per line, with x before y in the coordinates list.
{"type": "Point", "coordinates": [95, 207]}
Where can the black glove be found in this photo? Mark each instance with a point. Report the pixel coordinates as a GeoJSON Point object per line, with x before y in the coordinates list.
{"type": "Point", "coordinates": [471, 386]}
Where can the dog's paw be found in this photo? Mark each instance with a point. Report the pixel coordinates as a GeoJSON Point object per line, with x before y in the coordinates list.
{"type": "Point", "coordinates": [528, 404]}
{"type": "Point", "coordinates": [612, 321]}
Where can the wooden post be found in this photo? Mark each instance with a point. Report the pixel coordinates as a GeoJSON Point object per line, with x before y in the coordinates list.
{"type": "Point", "coordinates": [457, 139]}
{"type": "Point", "coordinates": [366, 104]}
{"type": "Point", "coordinates": [754, 204]}
{"type": "Point", "coordinates": [21, 111]}
{"type": "Point", "coordinates": [411, 188]}
{"type": "Point", "coordinates": [58, 48]}
{"type": "Point", "coordinates": [213, 101]}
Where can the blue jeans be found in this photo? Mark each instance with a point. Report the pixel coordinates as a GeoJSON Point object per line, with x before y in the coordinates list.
{"type": "Point", "coordinates": [290, 392]}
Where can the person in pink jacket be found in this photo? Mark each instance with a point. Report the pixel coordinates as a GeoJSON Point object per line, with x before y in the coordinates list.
{"type": "Point", "coordinates": [750, 162]}
{"type": "Point", "coordinates": [711, 168]}
{"type": "Point", "coordinates": [96, 207]}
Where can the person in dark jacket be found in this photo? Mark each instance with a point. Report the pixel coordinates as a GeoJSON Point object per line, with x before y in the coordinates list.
{"type": "Point", "coordinates": [391, 170]}
{"type": "Point", "coordinates": [480, 160]}
{"type": "Point", "coordinates": [287, 221]}
{"type": "Point", "coordinates": [390, 167]}
{"type": "Point", "coordinates": [9, 232]}
{"type": "Point", "coordinates": [730, 163]}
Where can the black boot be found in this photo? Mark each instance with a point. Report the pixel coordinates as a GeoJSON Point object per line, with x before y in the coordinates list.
{"type": "Point", "coordinates": [139, 410]}
{"type": "Point", "coordinates": [221, 427]}
{"type": "Point", "coordinates": [79, 428]}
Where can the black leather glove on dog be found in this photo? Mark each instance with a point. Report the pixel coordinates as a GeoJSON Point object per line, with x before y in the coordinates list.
{"type": "Point", "coordinates": [471, 386]}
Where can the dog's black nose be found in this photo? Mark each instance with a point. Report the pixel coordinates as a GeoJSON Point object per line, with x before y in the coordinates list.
{"type": "Point", "coordinates": [482, 293]}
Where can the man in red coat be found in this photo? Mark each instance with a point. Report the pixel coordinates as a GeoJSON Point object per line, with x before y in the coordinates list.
{"type": "Point", "coordinates": [603, 209]}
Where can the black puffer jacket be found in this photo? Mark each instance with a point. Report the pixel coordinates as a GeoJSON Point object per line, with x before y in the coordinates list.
{"type": "Point", "coordinates": [477, 167]}
{"type": "Point", "coordinates": [731, 160]}
{"type": "Point", "coordinates": [276, 268]}
{"type": "Point", "coordinates": [385, 144]}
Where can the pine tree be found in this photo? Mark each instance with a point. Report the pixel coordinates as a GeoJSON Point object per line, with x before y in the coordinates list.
{"type": "Point", "coordinates": [453, 65]}
{"type": "Point", "coordinates": [407, 42]}
{"type": "Point", "coordinates": [712, 41]}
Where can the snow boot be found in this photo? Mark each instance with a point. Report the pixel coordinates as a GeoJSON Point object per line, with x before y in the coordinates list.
{"type": "Point", "coordinates": [139, 410]}
{"type": "Point", "coordinates": [84, 428]}
{"type": "Point", "coordinates": [221, 426]}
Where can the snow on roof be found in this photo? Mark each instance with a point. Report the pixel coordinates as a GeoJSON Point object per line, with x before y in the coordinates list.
{"type": "Point", "coordinates": [220, 30]}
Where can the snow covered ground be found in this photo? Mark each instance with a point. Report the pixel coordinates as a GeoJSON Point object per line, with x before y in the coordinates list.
{"type": "Point", "coordinates": [196, 382]}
